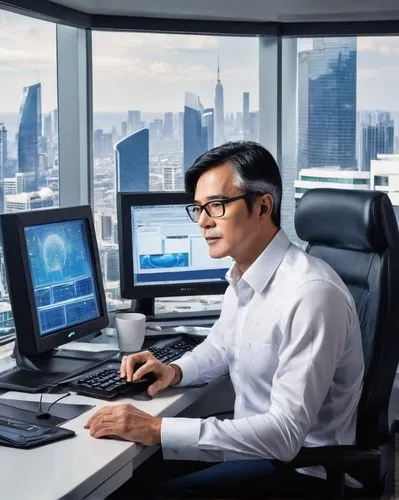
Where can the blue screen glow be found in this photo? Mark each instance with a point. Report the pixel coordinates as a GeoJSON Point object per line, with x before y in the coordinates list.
{"type": "Point", "coordinates": [62, 275]}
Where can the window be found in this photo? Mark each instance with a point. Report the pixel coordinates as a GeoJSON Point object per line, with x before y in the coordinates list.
{"type": "Point", "coordinates": [28, 125]}
{"type": "Point", "coordinates": [159, 101]}
{"type": "Point", "coordinates": [347, 118]}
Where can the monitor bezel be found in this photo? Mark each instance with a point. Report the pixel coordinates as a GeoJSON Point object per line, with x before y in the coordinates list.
{"type": "Point", "coordinates": [20, 284]}
{"type": "Point", "coordinates": [126, 265]}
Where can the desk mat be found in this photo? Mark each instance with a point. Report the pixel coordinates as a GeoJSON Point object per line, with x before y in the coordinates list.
{"type": "Point", "coordinates": [26, 410]}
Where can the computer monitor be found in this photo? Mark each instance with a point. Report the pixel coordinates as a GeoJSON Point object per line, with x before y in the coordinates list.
{"type": "Point", "coordinates": [162, 252]}
{"type": "Point", "coordinates": [54, 277]}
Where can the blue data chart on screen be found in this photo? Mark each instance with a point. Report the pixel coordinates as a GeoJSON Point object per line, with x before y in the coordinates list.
{"type": "Point", "coordinates": [168, 248]}
{"type": "Point", "coordinates": [62, 275]}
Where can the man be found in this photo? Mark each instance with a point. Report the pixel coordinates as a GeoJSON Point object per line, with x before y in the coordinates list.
{"type": "Point", "coordinates": [288, 335]}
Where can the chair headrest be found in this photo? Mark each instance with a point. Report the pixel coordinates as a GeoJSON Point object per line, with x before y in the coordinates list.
{"type": "Point", "coordinates": [352, 219]}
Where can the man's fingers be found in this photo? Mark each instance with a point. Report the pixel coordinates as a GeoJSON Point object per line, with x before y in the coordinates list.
{"type": "Point", "coordinates": [132, 360]}
{"type": "Point", "coordinates": [143, 370]}
{"type": "Point", "coordinates": [156, 387]}
{"type": "Point", "coordinates": [123, 367]}
{"type": "Point", "coordinates": [105, 430]}
{"type": "Point", "coordinates": [100, 414]}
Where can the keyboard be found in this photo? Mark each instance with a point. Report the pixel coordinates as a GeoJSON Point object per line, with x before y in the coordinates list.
{"type": "Point", "coordinates": [175, 349]}
{"type": "Point", "coordinates": [106, 383]}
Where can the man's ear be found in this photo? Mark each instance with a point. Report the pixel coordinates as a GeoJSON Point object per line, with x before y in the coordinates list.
{"type": "Point", "coordinates": [266, 205]}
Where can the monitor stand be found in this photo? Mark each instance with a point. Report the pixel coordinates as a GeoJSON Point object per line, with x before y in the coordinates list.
{"type": "Point", "coordinates": [146, 306]}
{"type": "Point", "coordinates": [43, 371]}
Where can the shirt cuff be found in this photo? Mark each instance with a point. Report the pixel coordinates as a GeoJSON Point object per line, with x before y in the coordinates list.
{"type": "Point", "coordinates": [180, 438]}
{"type": "Point", "coordinates": [189, 370]}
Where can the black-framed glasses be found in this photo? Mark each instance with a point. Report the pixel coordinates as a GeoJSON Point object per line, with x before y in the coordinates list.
{"type": "Point", "coordinates": [215, 208]}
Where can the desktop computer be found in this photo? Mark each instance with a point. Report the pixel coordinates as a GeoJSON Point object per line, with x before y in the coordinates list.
{"type": "Point", "coordinates": [56, 289]}
{"type": "Point", "coordinates": [163, 254]}
{"type": "Point", "coordinates": [56, 293]}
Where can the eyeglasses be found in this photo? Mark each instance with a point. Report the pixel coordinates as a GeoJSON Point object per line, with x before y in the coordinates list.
{"type": "Point", "coordinates": [215, 208]}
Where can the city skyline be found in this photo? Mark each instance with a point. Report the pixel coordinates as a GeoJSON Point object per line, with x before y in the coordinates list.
{"type": "Point", "coordinates": [144, 67]}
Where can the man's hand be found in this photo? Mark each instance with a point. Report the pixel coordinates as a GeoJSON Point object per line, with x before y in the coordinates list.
{"type": "Point", "coordinates": [166, 374]}
{"type": "Point", "coordinates": [127, 422]}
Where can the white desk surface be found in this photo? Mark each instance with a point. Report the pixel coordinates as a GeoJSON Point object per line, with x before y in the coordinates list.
{"type": "Point", "coordinates": [84, 467]}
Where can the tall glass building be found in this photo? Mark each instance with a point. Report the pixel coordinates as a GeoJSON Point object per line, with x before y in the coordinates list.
{"type": "Point", "coordinates": [208, 128]}
{"type": "Point", "coordinates": [377, 137]}
{"type": "Point", "coordinates": [194, 141]}
{"type": "Point", "coordinates": [327, 104]}
{"type": "Point", "coordinates": [132, 157]}
{"type": "Point", "coordinates": [219, 111]}
{"type": "Point", "coordinates": [3, 149]}
{"type": "Point", "coordinates": [29, 131]}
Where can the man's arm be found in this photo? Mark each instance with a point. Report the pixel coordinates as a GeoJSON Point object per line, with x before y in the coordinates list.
{"type": "Point", "coordinates": [206, 362]}
{"type": "Point", "coordinates": [315, 334]}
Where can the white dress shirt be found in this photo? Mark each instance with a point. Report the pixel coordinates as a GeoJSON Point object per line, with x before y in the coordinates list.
{"type": "Point", "coordinates": [289, 337]}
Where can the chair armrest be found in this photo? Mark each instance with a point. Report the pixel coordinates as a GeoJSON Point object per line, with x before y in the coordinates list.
{"type": "Point", "coordinates": [332, 456]}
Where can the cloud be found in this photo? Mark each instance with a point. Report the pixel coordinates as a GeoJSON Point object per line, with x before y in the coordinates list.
{"type": "Point", "coordinates": [381, 44]}
{"type": "Point", "coordinates": [155, 43]}
{"type": "Point", "coordinates": [20, 57]}
{"type": "Point", "coordinates": [368, 73]}
{"type": "Point", "coordinates": [189, 73]}
{"type": "Point", "coordinates": [160, 68]}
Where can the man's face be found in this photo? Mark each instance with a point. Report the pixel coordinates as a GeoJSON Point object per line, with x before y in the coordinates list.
{"type": "Point", "coordinates": [234, 233]}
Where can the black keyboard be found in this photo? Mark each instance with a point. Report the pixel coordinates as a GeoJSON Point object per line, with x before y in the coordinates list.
{"type": "Point", "coordinates": [176, 349]}
{"type": "Point", "coordinates": [106, 383]}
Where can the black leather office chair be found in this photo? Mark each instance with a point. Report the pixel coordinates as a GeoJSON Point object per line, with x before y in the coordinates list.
{"type": "Point", "coordinates": [357, 234]}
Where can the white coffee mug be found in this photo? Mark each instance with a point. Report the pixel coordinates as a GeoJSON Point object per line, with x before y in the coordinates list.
{"type": "Point", "coordinates": [130, 330]}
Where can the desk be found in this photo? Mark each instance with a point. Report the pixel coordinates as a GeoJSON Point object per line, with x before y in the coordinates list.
{"type": "Point", "coordinates": [84, 467]}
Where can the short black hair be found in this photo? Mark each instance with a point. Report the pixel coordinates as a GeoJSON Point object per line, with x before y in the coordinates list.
{"type": "Point", "coordinates": [255, 168]}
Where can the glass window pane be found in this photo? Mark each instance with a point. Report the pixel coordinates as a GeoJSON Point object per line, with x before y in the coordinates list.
{"type": "Point", "coordinates": [347, 117]}
{"type": "Point", "coordinates": [159, 101]}
{"type": "Point", "coordinates": [28, 125]}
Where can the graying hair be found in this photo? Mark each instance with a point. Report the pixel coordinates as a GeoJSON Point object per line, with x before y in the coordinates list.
{"type": "Point", "coordinates": [257, 185]}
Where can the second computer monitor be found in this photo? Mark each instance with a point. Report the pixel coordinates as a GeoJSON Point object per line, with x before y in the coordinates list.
{"type": "Point", "coordinates": [162, 252]}
{"type": "Point", "coordinates": [54, 276]}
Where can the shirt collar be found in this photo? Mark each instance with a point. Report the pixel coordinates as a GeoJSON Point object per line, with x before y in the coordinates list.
{"type": "Point", "coordinates": [260, 272]}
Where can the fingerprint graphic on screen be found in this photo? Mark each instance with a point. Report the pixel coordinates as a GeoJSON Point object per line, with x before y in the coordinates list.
{"type": "Point", "coordinates": [162, 261]}
{"type": "Point", "coordinates": [54, 252]}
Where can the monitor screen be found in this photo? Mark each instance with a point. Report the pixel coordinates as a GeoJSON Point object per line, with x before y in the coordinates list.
{"type": "Point", "coordinates": [163, 253]}
{"type": "Point", "coordinates": [62, 275]}
{"type": "Point", "coordinates": [54, 276]}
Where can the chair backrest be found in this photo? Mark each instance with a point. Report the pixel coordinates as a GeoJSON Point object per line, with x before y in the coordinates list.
{"type": "Point", "coordinates": [357, 234]}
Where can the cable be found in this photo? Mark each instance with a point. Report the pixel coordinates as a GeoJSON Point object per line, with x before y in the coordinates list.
{"type": "Point", "coordinates": [59, 399]}
{"type": "Point", "coordinates": [46, 414]}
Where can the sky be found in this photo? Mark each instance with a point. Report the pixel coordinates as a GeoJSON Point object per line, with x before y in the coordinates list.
{"type": "Point", "coordinates": [151, 72]}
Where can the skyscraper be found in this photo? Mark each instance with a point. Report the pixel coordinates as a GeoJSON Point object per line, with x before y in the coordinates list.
{"type": "Point", "coordinates": [245, 115]}
{"type": "Point", "coordinates": [133, 120]}
{"type": "Point", "coordinates": [3, 149]}
{"type": "Point", "coordinates": [47, 126]}
{"type": "Point", "coordinates": [132, 158]}
{"type": "Point", "coordinates": [377, 136]}
{"type": "Point", "coordinates": [193, 137]}
{"type": "Point", "coordinates": [29, 131]}
{"type": "Point", "coordinates": [208, 128]}
{"type": "Point", "coordinates": [219, 110]}
{"type": "Point", "coordinates": [168, 125]}
{"type": "Point", "coordinates": [327, 104]}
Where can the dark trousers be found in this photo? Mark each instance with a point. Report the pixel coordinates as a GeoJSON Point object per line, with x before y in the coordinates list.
{"type": "Point", "coordinates": [157, 479]}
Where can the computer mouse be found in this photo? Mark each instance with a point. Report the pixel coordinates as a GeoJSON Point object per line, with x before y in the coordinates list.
{"type": "Point", "coordinates": [148, 378]}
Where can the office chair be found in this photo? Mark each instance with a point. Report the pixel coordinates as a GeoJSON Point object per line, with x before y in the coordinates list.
{"type": "Point", "coordinates": [357, 234]}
